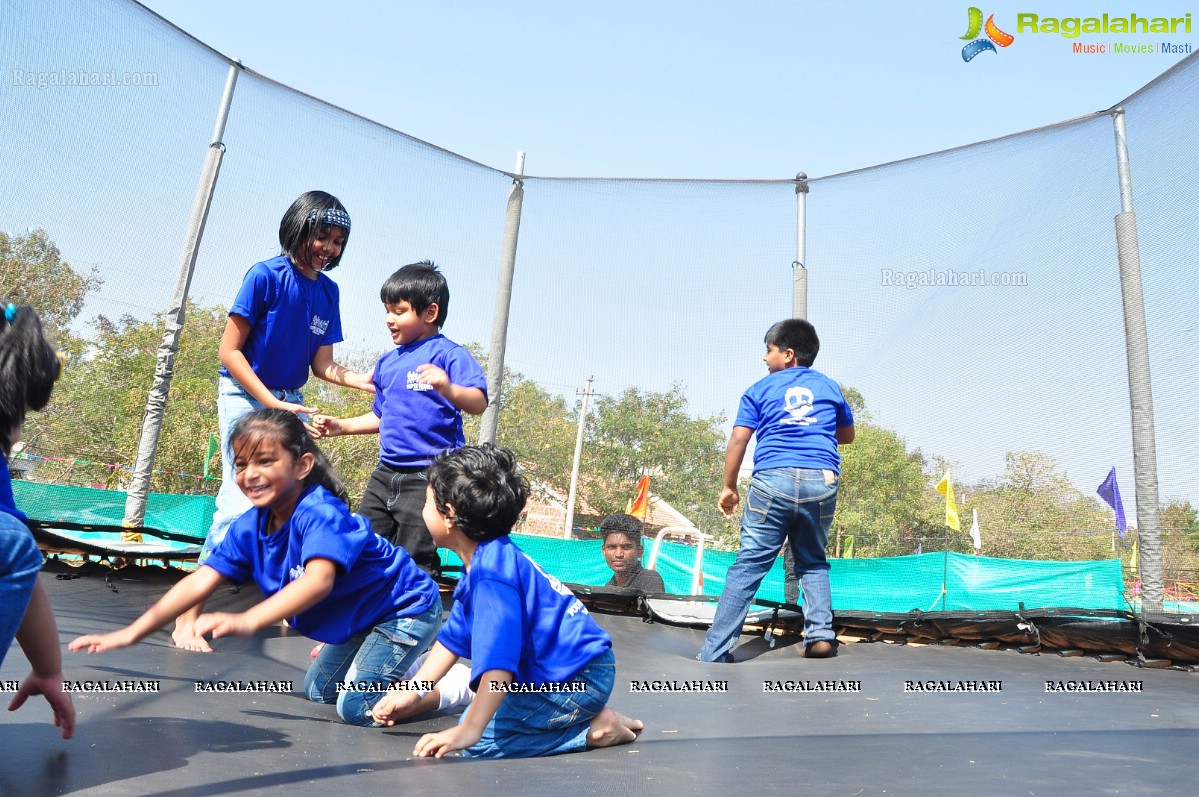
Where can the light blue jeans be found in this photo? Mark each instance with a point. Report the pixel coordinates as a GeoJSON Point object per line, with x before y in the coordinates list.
{"type": "Point", "coordinates": [364, 665]}
{"type": "Point", "coordinates": [20, 562]}
{"type": "Point", "coordinates": [782, 503]}
{"type": "Point", "coordinates": [529, 724]}
{"type": "Point", "coordinates": [232, 403]}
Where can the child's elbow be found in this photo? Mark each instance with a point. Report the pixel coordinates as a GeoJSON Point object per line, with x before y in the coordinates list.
{"type": "Point", "coordinates": [845, 435]}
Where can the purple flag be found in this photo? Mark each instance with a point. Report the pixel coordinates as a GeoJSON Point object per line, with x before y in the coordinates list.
{"type": "Point", "coordinates": [1110, 491]}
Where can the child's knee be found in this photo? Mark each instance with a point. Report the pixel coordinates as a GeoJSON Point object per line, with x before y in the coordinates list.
{"type": "Point", "coordinates": [355, 709]}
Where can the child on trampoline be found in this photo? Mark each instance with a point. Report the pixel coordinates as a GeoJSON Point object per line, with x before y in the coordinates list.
{"type": "Point", "coordinates": [541, 668]}
{"type": "Point", "coordinates": [29, 367]}
{"type": "Point", "coordinates": [283, 323]}
{"type": "Point", "coordinates": [320, 567]}
{"type": "Point", "coordinates": [799, 416]}
{"type": "Point", "coordinates": [422, 387]}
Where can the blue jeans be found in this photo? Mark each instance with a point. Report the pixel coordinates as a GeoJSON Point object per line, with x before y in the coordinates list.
{"type": "Point", "coordinates": [529, 724]}
{"type": "Point", "coordinates": [782, 503]}
{"type": "Point", "coordinates": [20, 562]}
{"type": "Point", "coordinates": [369, 663]}
{"type": "Point", "coordinates": [232, 403]}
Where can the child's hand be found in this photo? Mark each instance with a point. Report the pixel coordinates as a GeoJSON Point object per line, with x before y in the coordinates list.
{"type": "Point", "coordinates": [326, 426]}
{"type": "Point", "coordinates": [360, 381]}
{"type": "Point", "coordinates": [102, 643]}
{"type": "Point", "coordinates": [393, 705]}
{"type": "Point", "coordinates": [728, 502]}
{"type": "Point", "coordinates": [221, 624]}
{"type": "Point", "coordinates": [438, 744]}
{"type": "Point", "coordinates": [431, 375]}
{"type": "Point", "coordinates": [49, 686]}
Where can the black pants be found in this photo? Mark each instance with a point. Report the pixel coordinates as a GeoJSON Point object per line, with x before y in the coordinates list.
{"type": "Point", "coordinates": [393, 502]}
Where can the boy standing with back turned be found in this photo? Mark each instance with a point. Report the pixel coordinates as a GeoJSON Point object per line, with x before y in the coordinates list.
{"type": "Point", "coordinates": [800, 417]}
{"type": "Point", "coordinates": [422, 387]}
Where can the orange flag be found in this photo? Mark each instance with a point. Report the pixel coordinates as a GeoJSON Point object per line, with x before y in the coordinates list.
{"type": "Point", "coordinates": [640, 506]}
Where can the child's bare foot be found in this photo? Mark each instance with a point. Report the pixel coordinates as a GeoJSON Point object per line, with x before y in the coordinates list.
{"type": "Point", "coordinates": [185, 638]}
{"type": "Point", "coordinates": [609, 729]}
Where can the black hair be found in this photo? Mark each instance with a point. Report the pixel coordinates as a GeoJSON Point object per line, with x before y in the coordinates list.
{"type": "Point", "coordinates": [622, 523]}
{"type": "Point", "coordinates": [29, 366]}
{"type": "Point", "coordinates": [484, 488]}
{"type": "Point", "coordinates": [421, 285]}
{"type": "Point", "coordinates": [798, 335]}
{"type": "Point", "coordinates": [285, 428]}
{"type": "Point", "coordinates": [303, 222]}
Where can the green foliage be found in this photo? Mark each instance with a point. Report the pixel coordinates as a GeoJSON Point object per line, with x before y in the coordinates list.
{"type": "Point", "coordinates": [33, 272]}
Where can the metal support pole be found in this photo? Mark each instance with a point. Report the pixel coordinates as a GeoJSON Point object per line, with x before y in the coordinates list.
{"type": "Point", "coordinates": [799, 269]}
{"type": "Point", "coordinates": [164, 369]}
{"type": "Point", "coordinates": [1136, 341]}
{"type": "Point", "coordinates": [574, 469]}
{"type": "Point", "coordinates": [503, 302]}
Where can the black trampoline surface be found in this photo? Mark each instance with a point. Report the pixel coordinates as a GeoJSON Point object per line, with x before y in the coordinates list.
{"type": "Point", "coordinates": [882, 739]}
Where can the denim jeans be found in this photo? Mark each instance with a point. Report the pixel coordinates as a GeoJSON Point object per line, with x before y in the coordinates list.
{"type": "Point", "coordinates": [368, 663]}
{"type": "Point", "coordinates": [20, 562]}
{"type": "Point", "coordinates": [781, 504]}
{"type": "Point", "coordinates": [232, 403]}
{"type": "Point", "coordinates": [393, 502]}
{"type": "Point", "coordinates": [529, 724]}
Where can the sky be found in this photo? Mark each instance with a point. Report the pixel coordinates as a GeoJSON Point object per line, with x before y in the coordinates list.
{"type": "Point", "coordinates": [650, 284]}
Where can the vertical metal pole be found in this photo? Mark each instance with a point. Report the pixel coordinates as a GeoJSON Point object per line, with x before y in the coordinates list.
{"type": "Point", "coordinates": [574, 469]}
{"type": "Point", "coordinates": [147, 447]}
{"type": "Point", "coordinates": [1136, 341]}
{"type": "Point", "coordinates": [799, 269]}
{"type": "Point", "coordinates": [503, 302]}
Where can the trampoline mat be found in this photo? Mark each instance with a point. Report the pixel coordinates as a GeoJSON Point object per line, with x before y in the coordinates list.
{"type": "Point", "coordinates": [889, 728]}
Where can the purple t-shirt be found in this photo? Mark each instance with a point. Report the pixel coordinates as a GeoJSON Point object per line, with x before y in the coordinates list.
{"type": "Point", "coordinates": [795, 414]}
{"type": "Point", "coordinates": [416, 423]}
{"type": "Point", "coordinates": [376, 581]}
{"type": "Point", "coordinates": [290, 318]}
{"type": "Point", "coordinates": [511, 615]}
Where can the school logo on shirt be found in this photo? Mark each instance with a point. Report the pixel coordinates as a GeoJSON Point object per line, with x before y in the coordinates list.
{"type": "Point", "coordinates": [414, 382]}
{"type": "Point", "coordinates": [318, 325]}
{"type": "Point", "coordinates": [296, 572]}
{"type": "Point", "coordinates": [798, 403]}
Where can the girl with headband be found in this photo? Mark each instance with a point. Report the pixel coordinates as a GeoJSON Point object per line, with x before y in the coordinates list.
{"type": "Point", "coordinates": [283, 323]}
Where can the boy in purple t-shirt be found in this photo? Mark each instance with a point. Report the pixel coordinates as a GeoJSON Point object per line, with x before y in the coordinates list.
{"type": "Point", "coordinates": [799, 417]}
{"type": "Point", "coordinates": [422, 387]}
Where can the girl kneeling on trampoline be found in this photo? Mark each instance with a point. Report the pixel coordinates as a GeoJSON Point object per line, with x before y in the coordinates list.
{"type": "Point", "coordinates": [542, 669]}
{"type": "Point", "coordinates": [321, 568]}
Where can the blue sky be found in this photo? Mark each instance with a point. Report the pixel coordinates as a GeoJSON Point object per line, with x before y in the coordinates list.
{"type": "Point", "coordinates": [651, 284]}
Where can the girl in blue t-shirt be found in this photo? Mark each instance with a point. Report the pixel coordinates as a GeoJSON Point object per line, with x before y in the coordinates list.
{"type": "Point", "coordinates": [282, 324]}
{"type": "Point", "coordinates": [320, 568]}
{"type": "Point", "coordinates": [29, 367]}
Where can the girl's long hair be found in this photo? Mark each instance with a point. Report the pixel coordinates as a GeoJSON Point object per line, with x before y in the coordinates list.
{"type": "Point", "coordinates": [29, 366]}
{"type": "Point", "coordinates": [286, 428]}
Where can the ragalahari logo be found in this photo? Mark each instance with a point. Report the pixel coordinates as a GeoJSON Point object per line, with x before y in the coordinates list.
{"type": "Point", "coordinates": [994, 35]}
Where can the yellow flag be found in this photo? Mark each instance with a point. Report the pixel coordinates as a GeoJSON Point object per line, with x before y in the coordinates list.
{"type": "Point", "coordinates": [945, 488]}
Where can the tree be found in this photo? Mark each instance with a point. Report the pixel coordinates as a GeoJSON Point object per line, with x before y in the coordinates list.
{"type": "Point", "coordinates": [639, 431]}
{"type": "Point", "coordinates": [33, 272]}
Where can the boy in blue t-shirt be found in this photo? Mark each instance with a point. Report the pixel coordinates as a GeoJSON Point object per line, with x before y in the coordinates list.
{"type": "Point", "coordinates": [541, 668]}
{"type": "Point", "coordinates": [422, 387]}
{"type": "Point", "coordinates": [799, 417]}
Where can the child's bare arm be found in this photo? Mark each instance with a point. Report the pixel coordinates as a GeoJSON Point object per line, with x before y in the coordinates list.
{"type": "Point", "coordinates": [38, 637]}
{"type": "Point", "coordinates": [233, 341]}
{"type": "Point", "coordinates": [470, 730]}
{"type": "Point", "coordinates": [303, 593]}
{"type": "Point", "coordinates": [468, 399]}
{"type": "Point", "coordinates": [734, 455]}
{"type": "Point", "coordinates": [323, 367]}
{"type": "Point", "coordinates": [195, 588]}
{"type": "Point", "coordinates": [845, 435]}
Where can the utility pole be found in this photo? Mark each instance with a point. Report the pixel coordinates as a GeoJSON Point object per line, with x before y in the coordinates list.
{"type": "Point", "coordinates": [574, 470]}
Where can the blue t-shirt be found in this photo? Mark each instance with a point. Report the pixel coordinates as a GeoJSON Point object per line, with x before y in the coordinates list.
{"type": "Point", "coordinates": [290, 318]}
{"type": "Point", "coordinates": [795, 414]}
{"type": "Point", "coordinates": [511, 615]}
{"type": "Point", "coordinates": [416, 423]}
{"type": "Point", "coordinates": [376, 581]}
{"type": "Point", "coordinates": [7, 502]}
